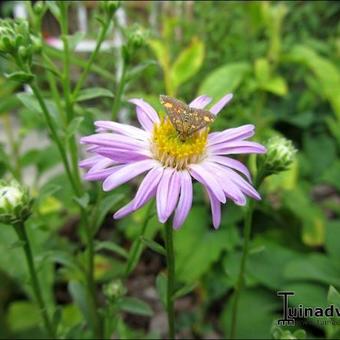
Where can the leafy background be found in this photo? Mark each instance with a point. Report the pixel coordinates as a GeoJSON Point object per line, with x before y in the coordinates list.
{"type": "Point", "coordinates": [281, 61]}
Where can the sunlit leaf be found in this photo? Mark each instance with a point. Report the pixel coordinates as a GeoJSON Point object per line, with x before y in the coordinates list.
{"type": "Point", "coordinates": [224, 79]}
{"type": "Point", "coordinates": [187, 63]}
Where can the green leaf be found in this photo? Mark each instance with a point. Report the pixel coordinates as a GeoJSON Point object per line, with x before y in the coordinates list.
{"type": "Point", "coordinates": [207, 242]}
{"type": "Point", "coordinates": [109, 245]}
{"type": "Point", "coordinates": [17, 244]}
{"type": "Point", "coordinates": [22, 315]}
{"type": "Point", "coordinates": [224, 79]}
{"type": "Point", "coordinates": [276, 85]}
{"type": "Point", "coordinates": [9, 103]}
{"type": "Point", "coordinates": [135, 306]}
{"type": "Point", "coordinates": [154, 246]}
{"type": "Point", "coordinates": [331, 175]}
{"type": "Point", "coordinates": [105, 205]}
{"type": "Point", "coordinates": [315, 267]}
{"type": "Point", "coordinates": [32, 104]}
{"type": "Point", "coordinates": [20, 77]}
{"type": "Point", "coordinates": [93, 92]}
{"type": "Point", "coordinates": [333, 297]}
{"type": "Point", "coordinates": [187, 63]}
{"type": "Point", "coordinates": [29, 101]}
{"type": "Point", "coordinates": [267, 266]}
{"type": "Point", "coordinates": [161, 52]}
{"type": "Point", "coordinates": [136, 71]}
{"type": "Point", "coordinates": [74, 40]}
{"type": "Point", "coordinates": [161, 286]}
{"type": "Point", "coordinates": [62, 257]}
{"type": "Point", "coordinates": [184, 290]}
{"type": "Point", "coordinates": [134, 255]}
{"type": "Point", "coordinates": [83, 201]}
{"type": "Point", "coordinates": [332, 239]}
{"type": "Point", "coordinates": [325, 71]}
{"type": "Point", "coordinates": [310, 214]}
{"type": "Point", "coordinates": [250, 320]}
{"type": "Point", "coordinates": [321, 152]}
{"type": "Point", "coordinates": [79, 296]}
{"type": "Point", "coordinates": [262, 70]}
{"type": "Point", "coordinates": [73, 127]}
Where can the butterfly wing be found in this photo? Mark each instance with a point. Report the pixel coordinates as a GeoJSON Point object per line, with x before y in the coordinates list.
{"type": "Point", "coordinates": [186, 120]}
{"type": "Point", "coordinates": [178, 112]}
{"type": "Point", "coordinates": [199, 119]}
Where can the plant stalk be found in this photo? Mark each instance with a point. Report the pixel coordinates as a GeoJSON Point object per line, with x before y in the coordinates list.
{"type": "Point", "coordinates": [171, 278]}
{"type": "Point", "coordinates": [22, 234]}
{"type": "Point", "coordinates": [119, 93]}
{"type": "Point", "coordinates": [246, 235]}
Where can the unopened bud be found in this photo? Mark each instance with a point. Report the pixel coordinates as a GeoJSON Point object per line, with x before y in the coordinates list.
{"type": "Point", "coordinates": [15, 203]}
{"type": "Point", "coordinates": [114, 290]}
{"type": "Point", "coordinates": [280, 155]}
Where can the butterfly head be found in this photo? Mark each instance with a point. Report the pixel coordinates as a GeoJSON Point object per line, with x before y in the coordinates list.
{"type": "Point", "coordinates": [185, 119]}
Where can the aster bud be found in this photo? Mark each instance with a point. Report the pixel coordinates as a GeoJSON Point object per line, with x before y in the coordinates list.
{"type": "Point", "coordinates": [110, 7]}
{"type": "Point", "coordinates": [15, 203]}
{"type": "Point", "coordinates": [136, 38]}
{"type": "Point", "coordinates": [39, 8]}
{"type": "Point", "coordinates": [114, 290]}
{"type": "Point", "coordinates": [280, 155]}
{"type": "Point", "coordinates": [14, 36]}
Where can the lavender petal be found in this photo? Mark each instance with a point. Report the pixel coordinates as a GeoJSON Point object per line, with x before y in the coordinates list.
{"type": "Point", "coordinates": [146, 114]}
{"type": "Point", "coordinates": [148, 186]}
{"type": "Point", "coordinates": [231, 163]}
{"type": "Point", "coordinates": [204, 176]}
{"type": "Point", "coordinates": [123, 129]}
{"type": "Point", "coordinates": [215, 209]}
{"type": "Point", "coordinates": [221, 104]}
{"type": "Point", "coordinates": [126, 173]}
{"type": "Point", "coordinates": [185, 200]}
{"type": "Point", "coordinates": [162, 194]}
{"type": "Point", "coordinates": [239, 133]}
{"type": "Point", "coordinates": [200, 102]}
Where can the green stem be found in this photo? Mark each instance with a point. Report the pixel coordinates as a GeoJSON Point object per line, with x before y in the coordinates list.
{"type": "Point", "coordinates": [97, 327]}
{"type": "Point", "coordinates": [54, 88]}
{"type": "Point", "coordinates": [55, 137]}
{"type": "Point", "coordinates": [138, 246]}
{"type": "Point", "coordinates": [66, 74]}
{"type": "Point", "coordinates": [14, 146]}
{"type": "Point", "coordinates": [171, 278]}
{"type": "Point", "coordinates": [92, 296]}
{"type": "Point", "coordinates": [21, 232]}
{"type": "Point", "coordinates": [119, 93]}
{"type": "Point", "coordinates": [246, 235]}
{"type": "Point", "coordinates": [101, 37]}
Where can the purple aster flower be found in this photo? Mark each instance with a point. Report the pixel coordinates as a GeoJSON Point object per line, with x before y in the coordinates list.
{"type": "Point", "coordinates": [121, 152]}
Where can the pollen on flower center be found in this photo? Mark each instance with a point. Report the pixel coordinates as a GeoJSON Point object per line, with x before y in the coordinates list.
{"type": "Point", "coordinates": [171, 151]}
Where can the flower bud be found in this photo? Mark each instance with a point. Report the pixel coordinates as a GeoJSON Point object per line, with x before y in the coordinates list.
{"type": "Point", "coordinates": [14, 34]}
{"type": "Point", "coordinates": [15, 203]}
{"type": "Point", "coordinates": [39, 8]}
{"type": "Point", "coordinates": [280, 155]}
{"type": "Point", "coordinates": [136, 37]}
{"type": "Point", "coordinates": [114, 290]}
{"type": "Point", "coordinates": [110, 7]}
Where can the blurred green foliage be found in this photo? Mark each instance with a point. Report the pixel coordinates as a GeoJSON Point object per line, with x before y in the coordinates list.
{"type": "Point", "coordinates": [281, 61]}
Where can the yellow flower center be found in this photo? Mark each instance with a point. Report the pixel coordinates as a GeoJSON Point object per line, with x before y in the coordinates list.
{"type": "Point", "coordinates": [171, 151]}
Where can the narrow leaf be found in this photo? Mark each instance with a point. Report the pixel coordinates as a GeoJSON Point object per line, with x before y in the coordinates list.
{"type": "Point", "coordinates": [92, 93]}
{"type": "Point", "coordinates": [154, 246]}
{"type": "Point", "coordinates": [109, 245]}
{"type": "Point", "coordinates": [135, 306]}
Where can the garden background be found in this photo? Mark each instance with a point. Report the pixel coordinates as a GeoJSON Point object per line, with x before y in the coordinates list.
{"type": "Point", "coordinates": [281, 61]}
